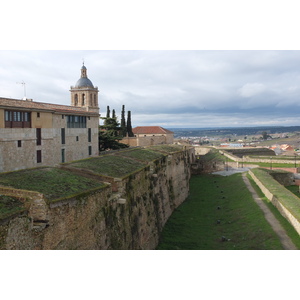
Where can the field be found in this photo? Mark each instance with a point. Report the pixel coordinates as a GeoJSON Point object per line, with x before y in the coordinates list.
{"type": "Point", "coordinates": [219, 214]}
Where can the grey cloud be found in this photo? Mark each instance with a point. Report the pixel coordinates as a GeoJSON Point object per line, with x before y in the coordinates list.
{"type": "Point", "coordinates": [173, 88]}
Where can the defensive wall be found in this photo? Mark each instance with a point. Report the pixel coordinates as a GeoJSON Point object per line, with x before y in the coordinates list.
{"type": "Point", "coordinates": [285, 201]}
{"type": "Point", "coordinates": [239, 161]}
{"type": "Point", "coordinates": [128, 212]}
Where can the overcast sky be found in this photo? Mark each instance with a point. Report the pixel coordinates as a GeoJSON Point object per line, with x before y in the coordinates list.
{"type": "Point", "coordinates": [167, 88]}
{"type": "Point", "coordinates": [170, 88]}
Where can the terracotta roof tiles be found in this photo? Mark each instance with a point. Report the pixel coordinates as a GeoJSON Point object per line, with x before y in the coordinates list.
{"type": "Point", "coordinates": [151, 130]}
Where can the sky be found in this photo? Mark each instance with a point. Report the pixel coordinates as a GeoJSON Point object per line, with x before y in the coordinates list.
{"type": "Point", "coordinates": [169, 88]}
{"type": "Point", "coordinates": [173, 64]}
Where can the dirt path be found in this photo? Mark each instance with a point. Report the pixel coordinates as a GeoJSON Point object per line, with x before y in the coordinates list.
{"type": "Point", "coordinates": [284, 238]}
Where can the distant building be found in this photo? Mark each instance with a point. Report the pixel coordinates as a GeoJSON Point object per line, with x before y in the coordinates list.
{"type": "Point", "coordinates": [149, 136]}
{"type": "Point", "coordinates": [231, 145]}
{"type": "Point", "coordinates": [36, 134]}
{"type": "Point", "coordinates": [286, 147]}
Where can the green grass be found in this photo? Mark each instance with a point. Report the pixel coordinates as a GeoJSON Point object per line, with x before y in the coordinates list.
{"type": "Point", "coordinates": [291, 232]}
{"type": "Point", "coordinates": [294, 189]}
{"type": "Point", "coordinates": [288, 199]}
{"type": "Point", "coordinates": [214, 154]}
{"type": "Point", "coordinates": [274, 165]}
{"type": "Point", "coordinates": [145, 155]}
{"type": "Point", "coordinates": [52, 182]}
{"type": "Point", "coordinates": [167, 148]}
{"type": "Point", "coordinates": [110, 165]}
{"type": "Point", "coordinates": [9, 205]}
{"type": "Point", "coordinates": [193, 225]}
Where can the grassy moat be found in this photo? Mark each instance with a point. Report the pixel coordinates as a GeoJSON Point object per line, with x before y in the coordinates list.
{"type": "Point", "coordinates": [220, 214]}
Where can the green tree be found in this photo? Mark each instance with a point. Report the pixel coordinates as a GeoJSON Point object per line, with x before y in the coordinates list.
{"type": "Point", "coordinates": [129, 127]}
{"type": "Point", "coordinates": [265, 135]}
{"type": "Point", "coordinates": [123, 122]}
{"type": "Point", "coordinates": [109, 135]}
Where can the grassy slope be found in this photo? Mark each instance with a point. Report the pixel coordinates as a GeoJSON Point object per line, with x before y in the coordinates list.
{"type": "Point", "coordinates": [291, 232]}
{"type": "Point", "coordinates": [9, 205]}
{"type": "Point", "coordinates": [110, 165]}
{"type": "Point", "coordinates": [53, 183]}
{"type": "Point", "coordinates": [194, 224]}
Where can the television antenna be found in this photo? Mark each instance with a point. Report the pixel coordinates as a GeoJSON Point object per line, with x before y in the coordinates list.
{"type": "Point", "coordinates": [24, 86]}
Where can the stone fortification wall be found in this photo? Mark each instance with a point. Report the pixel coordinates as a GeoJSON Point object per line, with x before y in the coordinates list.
{"type": "Point", "coordinates": [127, 215]}
{"type": "Point", "coordinates": [287, 212]}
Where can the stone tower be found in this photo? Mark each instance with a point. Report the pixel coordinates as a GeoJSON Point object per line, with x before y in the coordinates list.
{"type": "Point", "coordinates": [84, 94]}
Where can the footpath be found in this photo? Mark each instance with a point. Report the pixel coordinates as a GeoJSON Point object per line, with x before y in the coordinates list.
{"type": "Point", "coordinates": [284, 238]}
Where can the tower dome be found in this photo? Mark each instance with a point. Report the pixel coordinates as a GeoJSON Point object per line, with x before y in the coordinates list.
{"type": "Point", "coordinates": [84, 94]}
{"type": "Point", "coordinates": [83, 81]}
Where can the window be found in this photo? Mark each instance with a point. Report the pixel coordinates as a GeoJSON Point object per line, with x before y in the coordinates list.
{"type": "Point", "coordinates": [38, 115]}
{"type": "Point", "coordinates": [77, 138]}
{"type": "Point", "coordinates": [62, 155]}
{"type": "Point", "coordinates": [17, 116]}
{"type": "Point", "coordinates": [76, 121]}
{"type": "Point", "coordinates": [62, 116]}
{"type": "Point", "coordinates": [89, 135]}
{"type": "Point", "coordinates": [19, 143]}
{"type": "Point", "coordinates": [63, 136]}
{"type": "Point", "coordinates": [8, 115]}
{"type": "Point", "coordinates": [39, 156]}
{"type": "Point", "coordinates": [17, 119]}
{"type": "Point", "coordinates": [76, 100]}
{"type": "Point", "coordinates": [90, 150]}
{"type": "Point", "coordinates": [83, 99]}
{"type": "Point", "coordinates": [26, 117]}
{"type": "Point", "coordinates": [39, 136]}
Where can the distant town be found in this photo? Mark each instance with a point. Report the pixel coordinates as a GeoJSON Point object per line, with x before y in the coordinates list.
{"type": "Point", "coordinates": [281, 139]}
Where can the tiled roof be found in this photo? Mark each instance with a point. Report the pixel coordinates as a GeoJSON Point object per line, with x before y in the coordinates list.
{"type": "Point", "coordinates": [15, 103]}
{"type": "Point", "coordinates": [151, 130]}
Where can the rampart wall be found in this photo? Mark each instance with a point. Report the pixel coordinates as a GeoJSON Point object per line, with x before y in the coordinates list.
{"type": "Point", "coordinates": [129, 214]}
{"type": "Point", "coordinates": [287, 212]}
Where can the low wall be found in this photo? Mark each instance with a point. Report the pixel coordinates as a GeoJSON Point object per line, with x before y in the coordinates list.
{"type": "Point", "coordinates": [130, 215]}
{"type": "Point", "coordinates": [286, 212]}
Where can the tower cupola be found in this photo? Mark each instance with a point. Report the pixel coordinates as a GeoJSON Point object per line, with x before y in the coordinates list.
{"type": "Point", "coordinates": [84, 94]}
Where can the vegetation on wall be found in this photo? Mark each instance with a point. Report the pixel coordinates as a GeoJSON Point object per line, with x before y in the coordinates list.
{"type": "Point", "coordinates": [287, 198]}
{"type": "Point", "coordinates": [9, 205]}
{"type": "Point", "coordinates": [109, 165]}
{"type": "Point", "coordinates": [52, 182]}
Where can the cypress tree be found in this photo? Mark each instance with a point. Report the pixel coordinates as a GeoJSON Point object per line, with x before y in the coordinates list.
{"type": "Point", "coordinates": [108, 112]}
{"type": "Point", "coordinates": [113, 114]}
{"type": "Point", "coordinates": [107, 116]}
{"type": "Point", "coordinates": [123, 122]}
{"type": "Point", "coordinates": [129, 127]}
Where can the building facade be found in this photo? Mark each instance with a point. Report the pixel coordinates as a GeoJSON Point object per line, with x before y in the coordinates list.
{"type": "Point", "coordinates": [34, 134]}
{"type": "Point", "coordinates": [149, 136]}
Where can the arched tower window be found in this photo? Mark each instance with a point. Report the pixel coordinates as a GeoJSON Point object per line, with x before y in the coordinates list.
{"type": "Point", "coordinates": [91, 98]}
{"type": "Point", "coordinates": [83, 100]}
{"type": "Point", "coordinates": [76, 100]}
{"type": "Point", "coordinates": [95, 101]}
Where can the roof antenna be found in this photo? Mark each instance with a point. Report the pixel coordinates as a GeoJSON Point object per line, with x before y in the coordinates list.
{"type": "Point", "coordinates": [24, 86]}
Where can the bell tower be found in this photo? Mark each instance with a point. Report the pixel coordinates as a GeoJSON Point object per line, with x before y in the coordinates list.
{"type": "Point", "coordinates": [84, 94]}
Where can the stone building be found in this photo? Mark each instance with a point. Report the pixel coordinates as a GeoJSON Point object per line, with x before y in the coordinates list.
{"type": "Point", "coordinates": [34, 134]}
{"type": "Point", "coordinates": [149, 136]}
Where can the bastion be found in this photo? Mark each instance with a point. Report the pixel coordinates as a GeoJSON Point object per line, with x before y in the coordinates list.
{"type": "Point", "coordinates": [118, 200]}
